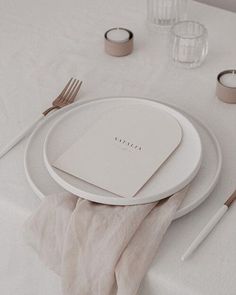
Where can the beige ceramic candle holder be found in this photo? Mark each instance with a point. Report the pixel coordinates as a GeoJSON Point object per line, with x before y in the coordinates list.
{"type": "Point", "coordinates": [223, 92]}
{"type": "Point", "coordinates": [119, 48]}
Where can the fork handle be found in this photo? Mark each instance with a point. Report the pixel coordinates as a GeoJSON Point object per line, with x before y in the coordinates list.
{"type": "Point", "coordinates": [49, 110]}
{"type": "Point", "coordinates": [19, 137]}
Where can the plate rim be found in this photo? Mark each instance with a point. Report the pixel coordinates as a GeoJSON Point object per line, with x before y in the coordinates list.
{"type": "Point", "coordinates": [181, 212]}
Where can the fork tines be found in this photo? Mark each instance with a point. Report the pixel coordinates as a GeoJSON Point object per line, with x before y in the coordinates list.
{"type": "Point", "coordinates": [70, 91]}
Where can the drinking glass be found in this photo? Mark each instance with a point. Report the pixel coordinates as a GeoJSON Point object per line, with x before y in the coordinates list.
{"type": "Point", "coordinates": [164, 13]}
{"type": "Point", "coordinates": [188, 44]}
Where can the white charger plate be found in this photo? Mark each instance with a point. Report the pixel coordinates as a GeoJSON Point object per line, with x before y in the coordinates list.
{"type": "Point", "coordinates": [180, 168]}
{"type": "Point", "coordinates": [202, 185]}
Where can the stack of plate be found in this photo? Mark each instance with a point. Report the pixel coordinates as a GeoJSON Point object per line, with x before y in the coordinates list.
{"type": "Point", "coordinates": [197, 161]}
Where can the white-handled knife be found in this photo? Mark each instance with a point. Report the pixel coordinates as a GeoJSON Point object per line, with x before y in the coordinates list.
{"type": "Point", "coordinates": [209, 227]}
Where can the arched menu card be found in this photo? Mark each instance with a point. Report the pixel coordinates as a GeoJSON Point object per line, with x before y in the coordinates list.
{"type": "Point", "coordinates": [123, 148]}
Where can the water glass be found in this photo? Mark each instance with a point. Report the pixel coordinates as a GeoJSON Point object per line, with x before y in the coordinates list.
{"type": "Point", "coordinates": [188, 43]}
{"type": "Point", "coordinates": [164, 13]}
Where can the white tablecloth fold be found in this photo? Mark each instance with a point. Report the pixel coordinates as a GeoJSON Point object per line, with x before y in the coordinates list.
{"type": "Point", "coordinates": [99, 249]}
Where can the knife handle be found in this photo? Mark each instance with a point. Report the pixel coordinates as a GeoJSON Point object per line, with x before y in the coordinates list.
{"type": "Point", "coordinates": [205, 231]}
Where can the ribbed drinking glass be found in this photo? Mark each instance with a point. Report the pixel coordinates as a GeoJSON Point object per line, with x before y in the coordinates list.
{"type": "Point", "coordinates": [164, 13]}
{"type": "Point", "coordinates": [188, 44]}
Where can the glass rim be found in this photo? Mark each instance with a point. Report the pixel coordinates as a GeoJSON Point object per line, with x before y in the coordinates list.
{"type": "Point", "coordinates": [204, 29]}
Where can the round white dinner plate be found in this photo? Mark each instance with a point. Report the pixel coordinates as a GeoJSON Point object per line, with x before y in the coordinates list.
{"type": "Point", "coordinates": [200, 188]}
{"type": "Point", "coordinates": [179, 169]}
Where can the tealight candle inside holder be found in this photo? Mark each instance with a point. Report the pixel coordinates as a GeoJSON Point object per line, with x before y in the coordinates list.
{"type": "Point", "coordinates": [229, 79]}
{"type": "Point", "coordinates": [118, 42]}
{"type": "Point", "coordinates": [226, 86]}
{"type": "Point", "coordinates": [118, 35]}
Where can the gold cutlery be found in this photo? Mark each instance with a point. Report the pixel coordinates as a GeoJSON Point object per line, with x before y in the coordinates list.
{"type": "Point", "coordinates": [209, 227]}
{"type": "Point", "coordinates": [66, 97]}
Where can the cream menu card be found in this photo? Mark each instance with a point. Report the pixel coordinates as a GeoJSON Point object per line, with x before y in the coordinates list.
{"type": "Point", "coordinates": [123, 149]}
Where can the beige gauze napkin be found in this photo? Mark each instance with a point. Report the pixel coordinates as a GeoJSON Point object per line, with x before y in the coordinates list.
{"type": "Point", "coordinates": [99, 249]}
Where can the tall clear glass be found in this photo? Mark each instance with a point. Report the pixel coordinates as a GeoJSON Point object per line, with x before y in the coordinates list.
{"type": "Point", "coordinates": [164, 13]}
{"type": "Point", "coordinates": [188, 44]}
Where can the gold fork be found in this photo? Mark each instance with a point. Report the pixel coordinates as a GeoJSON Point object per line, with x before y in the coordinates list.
{"type": "Point", "coordinates": [66, 97]}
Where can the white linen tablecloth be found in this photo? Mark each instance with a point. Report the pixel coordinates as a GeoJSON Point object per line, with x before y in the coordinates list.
{"type": "Point", "coordinates": [43, 43]}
